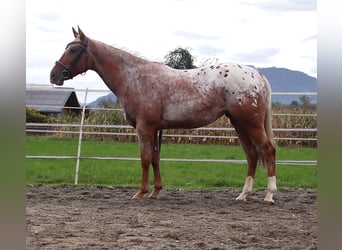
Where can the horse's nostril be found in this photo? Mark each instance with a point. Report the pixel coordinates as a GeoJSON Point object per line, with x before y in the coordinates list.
{"type": "Point", "coordinates": [52, 77]}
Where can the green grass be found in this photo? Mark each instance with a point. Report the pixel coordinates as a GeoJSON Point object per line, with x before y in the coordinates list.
{"type": "Point", "coordinates": [185, 175]}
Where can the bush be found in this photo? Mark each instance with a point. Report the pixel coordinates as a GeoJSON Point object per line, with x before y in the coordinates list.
{"type": "Point", "coordinates": [33, 115]}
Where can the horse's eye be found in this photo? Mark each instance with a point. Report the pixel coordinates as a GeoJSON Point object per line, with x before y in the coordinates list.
{"type": "Point", "coordinates": [72, 50]}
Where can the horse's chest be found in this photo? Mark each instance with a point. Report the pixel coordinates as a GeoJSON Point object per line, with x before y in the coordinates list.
{"type": "Point", "coordinates": [131, 120]}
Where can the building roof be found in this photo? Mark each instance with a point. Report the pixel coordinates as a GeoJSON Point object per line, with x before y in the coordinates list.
{"type": "Point", "coordinates": [49, 99]}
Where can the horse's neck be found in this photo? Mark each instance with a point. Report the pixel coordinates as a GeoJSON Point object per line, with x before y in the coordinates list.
{"type": "Point", "coordinates": [113, 66]}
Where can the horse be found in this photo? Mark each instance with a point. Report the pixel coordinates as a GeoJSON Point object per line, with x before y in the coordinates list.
{"type": "Point", "coordinates": [156, 97]}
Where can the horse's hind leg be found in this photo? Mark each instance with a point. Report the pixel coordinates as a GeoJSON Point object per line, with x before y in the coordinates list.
{"type": "Point", "coordinates": [267, 154]}
{"type": "Point", "coordinates": [252, 160]}
{"type": "Point", "coordinates": [266, 151]}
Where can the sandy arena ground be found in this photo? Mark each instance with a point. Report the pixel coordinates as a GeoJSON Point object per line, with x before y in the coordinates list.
{"type": "Point", "coordinates": [71, 217]}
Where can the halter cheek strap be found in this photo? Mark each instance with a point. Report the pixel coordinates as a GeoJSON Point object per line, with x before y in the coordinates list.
{"type": "Point", "coordinates": [66, 70]}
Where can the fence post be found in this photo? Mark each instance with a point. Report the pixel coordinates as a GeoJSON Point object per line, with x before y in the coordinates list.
{"type": "Point", "coordinates": [80, 137]}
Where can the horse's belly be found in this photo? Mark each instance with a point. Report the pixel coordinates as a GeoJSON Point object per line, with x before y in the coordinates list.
{"type": "Point", "coordinates": [188, 116]}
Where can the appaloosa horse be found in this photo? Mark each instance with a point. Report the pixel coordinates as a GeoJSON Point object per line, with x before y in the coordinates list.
{"type": "Point", "coordinates": [155, 97]}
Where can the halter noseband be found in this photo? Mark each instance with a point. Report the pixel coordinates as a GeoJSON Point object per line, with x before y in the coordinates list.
{"type": "Point", "coordinates": [66, 72]}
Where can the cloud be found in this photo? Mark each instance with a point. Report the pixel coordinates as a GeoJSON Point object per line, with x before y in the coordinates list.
{"type": "Point", "coordinates": [261, 55]}
{"type": "Point", "coordinates": [49, 16]}
{"type": "Point", "coordinates": [194, 35]}
{"type": "Point", "coordinates": [208, 49]}
{"type": "Point", "coordinates": [310, 38]}
{"type": "Point", "coordinates": [286, 5]}
{"type": "Point", "coordinates": [48, 29]}
{"type": "Point", "coordinates": [249, 31]}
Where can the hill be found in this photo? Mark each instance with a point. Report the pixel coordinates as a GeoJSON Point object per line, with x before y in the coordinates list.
{"type": "Point", "coordinates": [285, 80]}
{"type": "Point", "coordinates": [104, 101]}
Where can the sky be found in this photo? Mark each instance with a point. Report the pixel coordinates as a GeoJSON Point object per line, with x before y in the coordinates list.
{"type": "Point", "coordinates": [278, 33]}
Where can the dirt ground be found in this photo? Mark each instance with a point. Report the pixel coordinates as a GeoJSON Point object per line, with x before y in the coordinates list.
{"type": "Point", "coordinates": [71, 217]}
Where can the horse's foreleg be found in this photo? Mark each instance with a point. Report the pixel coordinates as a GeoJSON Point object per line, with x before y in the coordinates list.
{"type": "Point", "coordinates": [157, 177]}
{"type": "Point", "coordinates": [145, 163]}
{"type": "Point", "coordinates": [156, 168]}
{"type": "Point", "coordinates": [146, 154]}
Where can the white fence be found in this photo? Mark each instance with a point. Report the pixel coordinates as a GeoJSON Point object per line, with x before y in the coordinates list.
{"type": "Point", "coordinates": [50, 128]}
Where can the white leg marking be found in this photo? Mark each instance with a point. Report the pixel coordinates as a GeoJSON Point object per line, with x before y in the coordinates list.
{"type": "Point", "coordinates": [247, 189]}
{"type": "Point", "coordinates": [271, 189]}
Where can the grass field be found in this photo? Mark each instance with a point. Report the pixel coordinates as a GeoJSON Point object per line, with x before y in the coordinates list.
{"type": "Point", "coordinates": [184, 175]}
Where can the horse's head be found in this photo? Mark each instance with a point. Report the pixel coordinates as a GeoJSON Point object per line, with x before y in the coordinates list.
{"type": "Point", "coordinates": [73, 61]}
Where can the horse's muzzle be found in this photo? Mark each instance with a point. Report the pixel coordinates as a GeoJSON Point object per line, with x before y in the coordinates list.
{"type": "Point", "coordinates": [57, 77]}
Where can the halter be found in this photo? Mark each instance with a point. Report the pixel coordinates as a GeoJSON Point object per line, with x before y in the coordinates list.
{"type": "Point", "coordinates": [66, 72]}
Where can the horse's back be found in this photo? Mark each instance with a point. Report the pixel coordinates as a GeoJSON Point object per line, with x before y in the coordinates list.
{"type": "Point", "coordinates": [204, 94]}
{"type": "Point", "coordinates": [229, 82]}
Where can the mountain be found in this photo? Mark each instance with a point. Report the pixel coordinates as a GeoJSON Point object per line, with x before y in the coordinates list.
{"type": "Point", "coordinates": [285, 80]}
{"type": "Point", "coordinates": [103, 100]}
{"type": "Point", "coordinates": [281, 80]}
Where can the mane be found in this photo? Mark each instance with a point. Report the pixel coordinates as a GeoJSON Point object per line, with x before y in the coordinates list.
{"type": "Point", "coordinates": [127, 52]}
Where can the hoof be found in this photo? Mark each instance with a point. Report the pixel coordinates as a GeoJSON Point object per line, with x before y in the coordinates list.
{"type": "Point", "coordinates": [270, 202]}
{"type": "Point", "coordinates": [243, 196]}
{"type": "Point", "coordinates": [269, 197]}
{"type": "Point", "coordinates": [151, 196]}
{"type": "Point", "coordinates": [155, 193]}
{"type": "Point", "coordinates": [139, 195]}
{"type": "Point", "coordinates": [135, 197]}
{"type": "Point", "coordinates": [241, 199]}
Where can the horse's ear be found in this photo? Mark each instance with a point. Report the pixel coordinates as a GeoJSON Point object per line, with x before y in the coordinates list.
{"type": "Point", "coordinates": [75, 32]}
{"type": "Point", "coordinates": [82, 36]}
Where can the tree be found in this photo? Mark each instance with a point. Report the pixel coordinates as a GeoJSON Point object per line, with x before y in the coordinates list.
{"type": "Point", "coordinates": [294, 103]}
{"type": "Point", "coordinates": [180, 58]}
{"type": "Point", "coordinates": [304, 101]}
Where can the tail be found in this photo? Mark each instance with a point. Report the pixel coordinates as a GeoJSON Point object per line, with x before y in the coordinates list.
{"type": "Point", "coordinates": [268, 127]}
{"type": "Point", "coordinates": [268, 122]}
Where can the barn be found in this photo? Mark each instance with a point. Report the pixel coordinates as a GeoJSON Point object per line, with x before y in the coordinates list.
{"type": "Point", "coordinates": [52, 101]}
